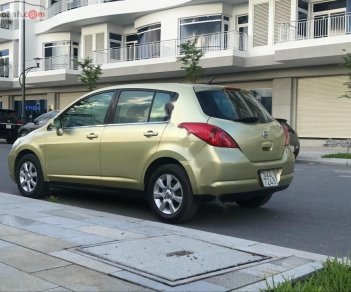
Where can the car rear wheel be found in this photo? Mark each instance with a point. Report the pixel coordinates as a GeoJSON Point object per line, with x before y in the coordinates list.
{"type": "Point", "coordinates": [255, 202]}
{"type": "Point", "coordinates": [170, 194]}
{"type": "Point", "coordinates": [29, 177]}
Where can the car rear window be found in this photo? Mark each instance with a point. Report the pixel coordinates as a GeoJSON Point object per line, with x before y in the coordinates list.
{"type": "Point", "coordinates": [8, 117]}
{"type": "Point", "coordinates": [233, 105]}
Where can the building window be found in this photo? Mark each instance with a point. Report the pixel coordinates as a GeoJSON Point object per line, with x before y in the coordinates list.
{"type": "Point", "coordinates": [4, 63]}
{"type": "Point", "coordinates": [149, 38]}
{"type": "Point", "coordinates": [205, 31]}
{"type": "Point", "coordinates": [115, 41]}
{"type": "Point", "coordinates": [61, 55]}
{"type": "Point", "coordinates": [242, 26]}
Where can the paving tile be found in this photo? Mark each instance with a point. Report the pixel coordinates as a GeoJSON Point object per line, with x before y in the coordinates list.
{"type": "Point", "coordinates": [4, 244]}
{"type": "Point", "coordinates": [112, 233]}
{"type": "Point", "coordinates": [15, 280]}
{"type": "Point", "coordinates": [8, 230]}
{"type": "Point", "coordinates": [52, 230]}
{"type": "Point", "coordinates": [38, 242]}
{"type": "Point", "coordinates": [274, 250]}
{"type": "Point", "coordinates": [25, 213]}
{"type": "Point", "coordinates": [140, 280]}
{"type": "Point", "coordinates": [115, 222]}
{"type": "Point", "coordinates": [296, 274]}
{"type": "Point", "coordinates": [77, 214]}
{"type": "Point", "coordinates": [58, 289]}
{"type": "Point", "coordinates": [265, 270]}
{"type": "Point", "coordinates": [152, 284]}
{"type": "Point", "coordinates": [234, 279]}
{"type": "Point", "coordinates": [78, 278]}
{"type": "Point", "coordinates": [291, 262]}
{"type": "Point", "coordinates": [29, 261]}
{"type": "Point", "coordinates": [15, 221]}
{"type": "Point", "coordinates": [87, 239]}
{"type": "Point", "coordinates": [63, 222]}
{"type": "Point", "coordinates": [151, 231]}
{"type": "Point", "coordinates": [85, 261]}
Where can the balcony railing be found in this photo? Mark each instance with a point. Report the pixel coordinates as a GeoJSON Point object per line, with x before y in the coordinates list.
{"type": "Point", "coordinates": [65, 5]}
{"type": "Point", "coordinates": [318, 27]}
{"type": "Point", "coordinates": [4, 71]}
{"type": "Point", "coordinates": [171, 48]}
{"type": "Point", "coordinates": [8, 23]}
{"type": "Point", "coordinates": [54, 63]}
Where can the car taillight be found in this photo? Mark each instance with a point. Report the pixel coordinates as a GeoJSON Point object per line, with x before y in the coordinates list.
{"type": "Point", "coordinates": [287, 136]}
{"type": "Point", "coordinates": [19, 122]}
{"type": "Point", "coordinates": [210, 134]}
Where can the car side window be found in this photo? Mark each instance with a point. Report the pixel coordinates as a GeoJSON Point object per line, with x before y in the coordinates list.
{"type": "Point", "coordinates": [90, 111]}
{"type": "Point", "coordinates": [160, 110]}
{"type": "Point", "coordinates": [133, 106]}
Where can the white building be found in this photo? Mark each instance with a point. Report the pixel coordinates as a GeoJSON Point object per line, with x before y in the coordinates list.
{"type": "Point", "coordinates": [289, 51]}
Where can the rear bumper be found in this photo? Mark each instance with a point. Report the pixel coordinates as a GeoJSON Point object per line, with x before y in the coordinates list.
{"type": "Point", "coordinates": [223, 171]}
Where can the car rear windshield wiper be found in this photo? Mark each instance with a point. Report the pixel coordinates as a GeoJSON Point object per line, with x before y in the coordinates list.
{"type": "Point", "coordinates": [247, 120]}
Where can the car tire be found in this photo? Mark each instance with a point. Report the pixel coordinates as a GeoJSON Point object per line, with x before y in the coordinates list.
{"type": "Point", "coordinates": [170, 194]}
{"type": "Point", "coordinates": [23, 133]}
{"type": "Point", "coordinates": [29, 177]}
{"type": "Point", "coordinates": [255, 202]}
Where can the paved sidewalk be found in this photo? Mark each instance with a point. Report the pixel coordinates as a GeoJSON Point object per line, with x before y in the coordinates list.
{"type": "Point", "coordinates": [47, 246]}
{"type": "Point", "coordinates": [314, 155]}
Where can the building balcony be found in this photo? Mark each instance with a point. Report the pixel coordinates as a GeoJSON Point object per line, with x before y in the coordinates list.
{"type": "Point", "coordinates": [8, 29]}
{"type": "Point", "coordinates": [211, 43]}
{"type": "Point", "coordinates": [318, 27]}
{"type": "Point", "coordinates": [222, 50]}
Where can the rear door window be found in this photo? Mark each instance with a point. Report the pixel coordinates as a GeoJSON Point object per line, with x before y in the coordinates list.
{"type": "Point", "coordinates": [142, 106]}
{"type": "Point", "coordinates": [232, 105]}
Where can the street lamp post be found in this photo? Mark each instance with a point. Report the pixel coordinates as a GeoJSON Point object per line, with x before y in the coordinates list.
{"type": "Point", "coordinates": [22, 82]}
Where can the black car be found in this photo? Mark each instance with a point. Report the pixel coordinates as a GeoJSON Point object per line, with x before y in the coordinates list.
{"type": "Point", "coordinates": [294, 138]}
{"type": "Point", "coordinates": [37, 123]}
{"type": "Point", "coordinates": [9, 125]}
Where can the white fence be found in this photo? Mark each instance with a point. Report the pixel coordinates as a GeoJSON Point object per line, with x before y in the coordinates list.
{"type": "Point", "coordinates": [318, 27]}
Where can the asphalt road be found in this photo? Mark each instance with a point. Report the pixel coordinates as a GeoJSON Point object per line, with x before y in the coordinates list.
{"type": "Point", "coordinates": [313, 214]}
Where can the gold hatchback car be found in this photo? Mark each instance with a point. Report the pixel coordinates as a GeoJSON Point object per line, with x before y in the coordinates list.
{"type": "Point", "coordinates": [177, 143]}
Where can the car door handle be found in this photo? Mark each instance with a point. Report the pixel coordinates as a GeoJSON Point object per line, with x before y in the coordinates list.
{"type": "Point", "coordinates": [150, 134]}
{"type": "Point", "coordinates": [92, 136]}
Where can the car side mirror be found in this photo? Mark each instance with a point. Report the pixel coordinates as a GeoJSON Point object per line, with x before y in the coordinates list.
{"type": "Point", "coordinates": [57, 124]}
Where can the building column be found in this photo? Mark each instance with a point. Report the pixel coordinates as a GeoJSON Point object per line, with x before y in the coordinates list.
{"type": "Point", "coordinates": [282, 101]}
{"type": "Point", "coordinates": [7, 102]}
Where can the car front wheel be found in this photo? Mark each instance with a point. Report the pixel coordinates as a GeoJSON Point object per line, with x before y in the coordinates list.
{"type": "Point", "coordinates": [170, 194]}
{"type": "Point", "coordinates": [29, 177]}
{"type": "Point", "coordinates": [255, 202]}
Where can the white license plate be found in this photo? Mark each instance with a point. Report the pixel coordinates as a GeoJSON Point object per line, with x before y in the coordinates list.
{"type": "Point", "coordinates": [8, 126]}
{"type": "Point", "coordinates": [269, 177]}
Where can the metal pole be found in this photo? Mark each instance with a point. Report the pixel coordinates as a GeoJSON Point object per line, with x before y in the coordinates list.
{"type": "Point", "coordinates": [23, 116]}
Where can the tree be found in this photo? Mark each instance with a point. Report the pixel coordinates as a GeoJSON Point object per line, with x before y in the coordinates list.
{"type": "Point", "coordinates": [190, 57]}
{"type": "Point", "coordinates": [90, 73]}
{"type": "Point", "coordinates": [347, 64]}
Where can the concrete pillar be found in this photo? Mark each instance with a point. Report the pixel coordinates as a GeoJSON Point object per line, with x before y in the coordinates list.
{"type": "Point", "coordinates": [6, 102]}
{"type": "Point", "coordinates": [282, 101]}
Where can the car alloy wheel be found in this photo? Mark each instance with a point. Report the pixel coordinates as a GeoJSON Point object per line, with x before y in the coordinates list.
{"type": "Point", "coordinates": [29, 177]}
{"type": "Point", "coordinates": [170, 194]}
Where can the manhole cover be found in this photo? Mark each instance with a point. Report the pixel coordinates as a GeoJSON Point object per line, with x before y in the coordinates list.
{"type": "Point", "coordinates": [171, 258]}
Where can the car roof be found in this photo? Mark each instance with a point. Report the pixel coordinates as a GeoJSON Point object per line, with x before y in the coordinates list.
{"type": "Point", "coordinates": [160, 86]}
